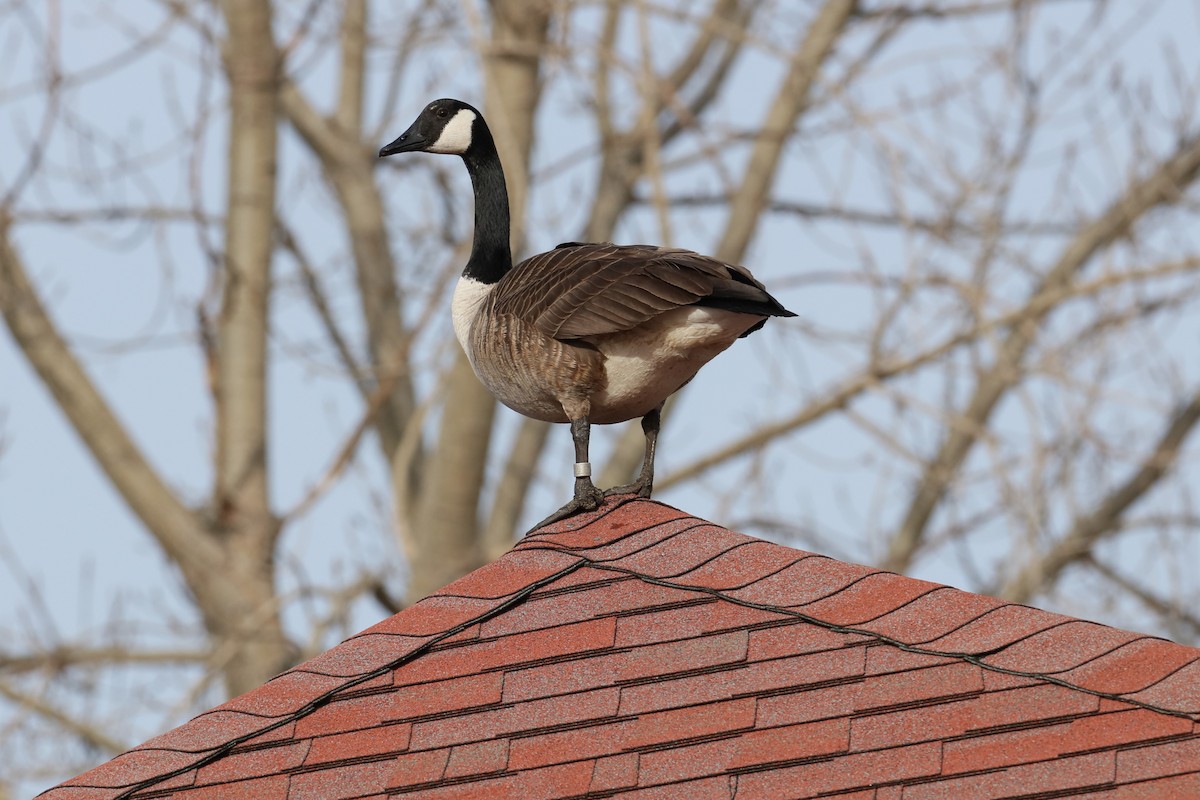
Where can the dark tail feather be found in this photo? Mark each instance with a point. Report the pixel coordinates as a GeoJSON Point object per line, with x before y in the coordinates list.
{"type": "Point", "coordinates": [745, 298]}
{"type": "Point", "coordinates": [765, 307]}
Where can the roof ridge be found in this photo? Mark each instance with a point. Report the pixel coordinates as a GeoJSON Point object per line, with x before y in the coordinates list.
{"type": "Point", "coordinates": [917, 649]}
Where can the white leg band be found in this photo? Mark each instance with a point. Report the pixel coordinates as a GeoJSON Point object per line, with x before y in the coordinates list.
{"type": "Point", "coordinates": [583, 469]}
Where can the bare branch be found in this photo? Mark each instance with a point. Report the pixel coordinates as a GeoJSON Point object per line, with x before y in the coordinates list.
{"type": "Point", "coordinates": [53, 80]}
{"type": "Point", "coordinates": [789, 102]}
{"type": "Point", "coordinates": [345, 454]}
{"type": "Point", "coordinates": [1172, 613]}
{"type": "Point", "coordinates": [622, 152]}
{"type": "Point", "coordinates": [65, 656]}
{"type": "Point", "coordinates": [91, 735]}
{"type": "Point", "coordinates": [750, 197]}
{"type": "Point", "coordinates": [1163, 186]}
{"type": "Point", "coordinates": [316, 296]}
{"type": "Point", "coordinates": [936, 11]}
{"type": "Point", "coordinates": [112, 213]}
{"type": "Point", "coordinates": [942, 228]}
{"type": "Point", "coordinates": [122, 460]}
{"type": "Point", "coordinates": [649, 133]}
{"type": "Point", "coordinates": [348, 163]}
{"type": "Point", "coordinates": [874, 374]}
{"type": "Point", "coordinates": [1041, 571]}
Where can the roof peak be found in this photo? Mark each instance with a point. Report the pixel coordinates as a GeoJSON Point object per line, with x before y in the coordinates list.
{"type": "Point", "coordinates": [652, 623]}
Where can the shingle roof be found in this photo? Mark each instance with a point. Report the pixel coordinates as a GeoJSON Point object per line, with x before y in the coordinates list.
{"type": "Point", "coordinates": [641, 652]}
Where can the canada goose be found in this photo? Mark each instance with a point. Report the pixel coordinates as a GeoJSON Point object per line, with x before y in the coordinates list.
{"type": "Point", "coordinates": [584, 333]}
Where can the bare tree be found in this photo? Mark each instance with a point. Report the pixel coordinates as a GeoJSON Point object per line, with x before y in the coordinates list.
{"type": "Point", "coordinates": [993, 381]}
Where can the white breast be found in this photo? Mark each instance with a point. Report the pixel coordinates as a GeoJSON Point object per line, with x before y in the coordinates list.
{"type": "Point", "coordinates": [469, 295]}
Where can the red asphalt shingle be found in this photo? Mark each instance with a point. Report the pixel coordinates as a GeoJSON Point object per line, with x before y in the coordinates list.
{"type": "Point", "coordinates": [638, 652]}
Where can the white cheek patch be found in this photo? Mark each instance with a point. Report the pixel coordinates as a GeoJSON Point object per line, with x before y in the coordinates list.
{"type": "Point", "coordinates": [456, 136]}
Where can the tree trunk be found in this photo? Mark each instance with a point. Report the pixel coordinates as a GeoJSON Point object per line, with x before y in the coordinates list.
{"type": "Point", "coordinates": [238, 598]}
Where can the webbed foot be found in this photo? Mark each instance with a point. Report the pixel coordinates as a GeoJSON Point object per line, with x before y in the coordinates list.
{"type": "Point", "coordinates": [587, 498]}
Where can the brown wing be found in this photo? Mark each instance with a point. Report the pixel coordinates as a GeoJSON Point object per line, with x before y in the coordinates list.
{"type": "Point", "coordinates": [579, 290]}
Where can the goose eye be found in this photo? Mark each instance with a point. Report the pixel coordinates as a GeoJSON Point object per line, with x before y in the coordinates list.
{"type": "Point", "coordinates": [442, 112]}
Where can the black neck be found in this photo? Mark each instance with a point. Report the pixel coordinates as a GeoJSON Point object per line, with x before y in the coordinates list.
{"type": "Point", "coordinates": [491, 256]}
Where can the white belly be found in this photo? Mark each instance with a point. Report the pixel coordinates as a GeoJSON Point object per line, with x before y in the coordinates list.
{"type": "Point", "coordinates": [648, 364]}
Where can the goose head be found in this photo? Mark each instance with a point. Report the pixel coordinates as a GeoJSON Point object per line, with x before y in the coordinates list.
{"type": "Point", "coordinates": [445, 126]}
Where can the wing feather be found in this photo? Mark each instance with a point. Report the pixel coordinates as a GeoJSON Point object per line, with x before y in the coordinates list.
{"type": "Point", "coordinates": [580, 290]}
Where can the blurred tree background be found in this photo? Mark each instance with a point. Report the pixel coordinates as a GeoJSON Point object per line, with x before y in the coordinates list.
{"type": "Point", "coordinates": [234, 426]}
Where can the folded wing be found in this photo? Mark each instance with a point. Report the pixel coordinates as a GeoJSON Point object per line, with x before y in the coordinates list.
{"type": "Point", "coordinates": [580, 290]}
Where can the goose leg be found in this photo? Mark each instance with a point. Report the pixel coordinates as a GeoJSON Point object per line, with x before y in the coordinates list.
{"type": "Point", "coordinates": [644, 485]}
{"type": "Point", "coordinates": [587, 496]}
